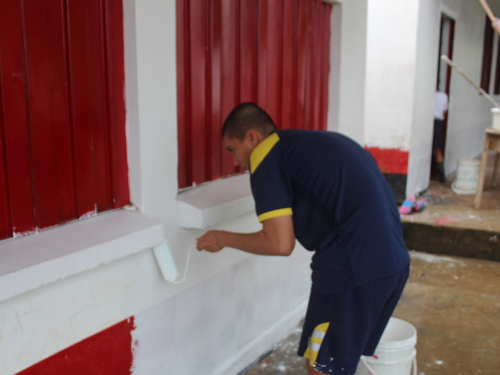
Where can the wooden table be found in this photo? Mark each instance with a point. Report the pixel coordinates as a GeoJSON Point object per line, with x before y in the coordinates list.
{"type": "Point", "coordinates": [491, 143]}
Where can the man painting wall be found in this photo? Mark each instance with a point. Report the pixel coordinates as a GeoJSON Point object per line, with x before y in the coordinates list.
{"type": "Point", "coordinates": [327, 192]}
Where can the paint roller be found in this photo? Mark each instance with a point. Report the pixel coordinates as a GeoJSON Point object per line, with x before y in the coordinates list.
{"type": "Point", "coordinates": [468, 79]}
{"type": "Point", "coordinates": [166, 262]}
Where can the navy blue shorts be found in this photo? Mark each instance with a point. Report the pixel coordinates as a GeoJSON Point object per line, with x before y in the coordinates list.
{"type": "Point", "coordinates": [437, 139]}
{"type": "Point", "coordinates": [339, 328]}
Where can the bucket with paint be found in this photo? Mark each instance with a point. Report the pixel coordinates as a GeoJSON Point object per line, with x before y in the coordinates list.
{"type": "Point", "coordinates": [496, 118]}
{"type": "Point", "coordinates": [467, 177]}
{"type": "Point", "coordinates": [395, 353]}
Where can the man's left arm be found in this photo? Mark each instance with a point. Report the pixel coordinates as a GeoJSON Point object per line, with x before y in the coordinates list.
{"type": "Point", "coordinates": [277, 237]}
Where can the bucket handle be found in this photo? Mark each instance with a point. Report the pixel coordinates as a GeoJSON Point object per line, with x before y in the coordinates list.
{"type": "Point", "coordinates": [373, 372]}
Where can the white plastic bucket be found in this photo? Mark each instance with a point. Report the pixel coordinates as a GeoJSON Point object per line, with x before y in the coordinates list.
{"type": "Point", "coordinates": [395, 353]}
{"type": "Point", "coordinates": [467, 177]}
{"type": "Point", "coordinates": [496, 118]}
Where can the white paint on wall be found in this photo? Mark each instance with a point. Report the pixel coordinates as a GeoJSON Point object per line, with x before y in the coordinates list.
{"type": "Point", "coordinates": [425, 85]}
{"type": "Point", "coordinates": [132, 102]}
{"type": "Point", "coordinates": [40, 323]}
{"type": "Point", "coordinates": [390, 73]}
{"type": "Point", "coordinates": [351, 112]}
{"type": "Point", "coordinates": [205, 328]}
{"type": "Point", "coordinates": [335, 68]}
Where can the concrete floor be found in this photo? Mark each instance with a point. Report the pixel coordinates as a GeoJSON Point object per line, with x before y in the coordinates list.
{"type": "Point", "coordinates": [453, 302]}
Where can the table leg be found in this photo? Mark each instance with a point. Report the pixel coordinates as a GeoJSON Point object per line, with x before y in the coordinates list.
{"type": "Point", "coordinates": [482, 173]}
{"type": "Point", "coordinates": [495, 169]}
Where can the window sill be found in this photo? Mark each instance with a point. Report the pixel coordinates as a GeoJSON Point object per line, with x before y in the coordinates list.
{"type": "Point", "coordinates": [33, 261]}
{"type": "Point", "coordinates": [215, 202]}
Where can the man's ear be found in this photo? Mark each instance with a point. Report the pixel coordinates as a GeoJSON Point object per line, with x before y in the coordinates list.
{"type": "Point", "coordinates": [254, 137]}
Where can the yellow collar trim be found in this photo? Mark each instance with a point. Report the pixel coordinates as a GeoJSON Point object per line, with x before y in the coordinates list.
{"type": "Point", "coordinates": [261, 151]}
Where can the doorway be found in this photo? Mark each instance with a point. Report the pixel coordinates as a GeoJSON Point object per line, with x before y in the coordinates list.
{"type": "Point", "coordinates": [446, 37]}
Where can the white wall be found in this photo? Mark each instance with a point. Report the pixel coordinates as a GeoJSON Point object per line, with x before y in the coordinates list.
{"type": "Point", "coordinates": [468, 112]}
{"type": "Point", "coordinates": [226, 322]}
{"type": "Point", "coordinates": [351, 100]}
{"type": "Point", "coordinates": [335, 68]}
{"type": "Point", "coordinates": [390, 72]}
{"type": "Point", "coordinates": [425, 84]}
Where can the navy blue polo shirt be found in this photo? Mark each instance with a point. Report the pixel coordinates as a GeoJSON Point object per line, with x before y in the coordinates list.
{"type": "Point", "coordinates": [342, 207]}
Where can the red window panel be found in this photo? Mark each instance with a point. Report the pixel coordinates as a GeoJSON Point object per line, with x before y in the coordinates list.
{"type": "Point", "coordinates": [271, 52]}
{"type": "Point", "coordinates": [68, 60]}
{"type": "Point", "coordinates": [487, 55]}
{"type": "Point", "coordinates": [48, 112]}
{"type": "Point", "coordinates": [17, 179]}
{"type": "Point", "coordinates": [115, 97]}
{"type": "Point", "coordinates": [230, 63]}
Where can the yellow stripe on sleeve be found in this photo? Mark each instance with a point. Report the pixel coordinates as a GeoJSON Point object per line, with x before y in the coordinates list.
{"type": "Point", "coordinates": [269, 215]}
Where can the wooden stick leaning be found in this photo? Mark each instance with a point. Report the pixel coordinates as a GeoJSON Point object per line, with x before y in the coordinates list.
{"type": "Point", "coordinates": [468, 79]}
{"type": "Point", "coordinates": [495, 22]}
{"type": "Point", "coordinates": [488, 10]}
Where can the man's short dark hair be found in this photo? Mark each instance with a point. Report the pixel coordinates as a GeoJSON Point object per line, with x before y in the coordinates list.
{"type": "Point", "coordinates": [247, 116]}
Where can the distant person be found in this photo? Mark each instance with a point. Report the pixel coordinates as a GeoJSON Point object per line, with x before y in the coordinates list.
{"type": "Point", "coordinates": [327, 192]}
{"type": "Point", "coordinates": [440, 112]}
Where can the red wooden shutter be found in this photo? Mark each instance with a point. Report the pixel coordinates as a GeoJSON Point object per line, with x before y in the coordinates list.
{"type": "Point", "coordinates": [63, 129]}
{"type": "Point", "coordinates": [271, 52]}
{"type": "Point", "coordinates": [17, 211]}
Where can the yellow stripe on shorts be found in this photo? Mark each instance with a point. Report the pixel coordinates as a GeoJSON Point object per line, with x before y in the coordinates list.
{"type": "Point", "coordinates": [315, 342]}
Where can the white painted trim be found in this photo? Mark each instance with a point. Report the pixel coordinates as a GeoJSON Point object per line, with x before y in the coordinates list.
{"type": "Point", "coordinates": [33, 261]}
{"type": "Point", "coordinates": [334, 73]}
{"type": "Point", "coordinates": [443, 9]}
{"type": "Point", "coordinates": [215, 202]}
{"type": "Point", "coordinates": [262, 343]}
{"type": "Point", "coordinates": [133, 131]}
{"type": "Point", "coordinates": [333, 2]}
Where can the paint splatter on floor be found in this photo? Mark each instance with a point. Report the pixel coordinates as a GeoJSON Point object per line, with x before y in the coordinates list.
{"type": "Point", "coordinates": [283, 359]}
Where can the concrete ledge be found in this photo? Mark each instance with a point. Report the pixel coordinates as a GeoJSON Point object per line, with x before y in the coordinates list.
{"type": "Point", "coordinates": [30, 262]}
{"type": "Point", "coordinates": [215, 202]}
{"type": "Point", "coordinates": [472, 243]}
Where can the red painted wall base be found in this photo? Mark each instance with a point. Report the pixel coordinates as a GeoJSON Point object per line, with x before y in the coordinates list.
{"type": "Point", "coordinates": [107, 353]}
{"type": "Point", "coordinates": [392, 161]}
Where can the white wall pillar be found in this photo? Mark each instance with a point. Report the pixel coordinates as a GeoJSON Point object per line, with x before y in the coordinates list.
{"type": "Point", "coordinates": [353, 44]}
